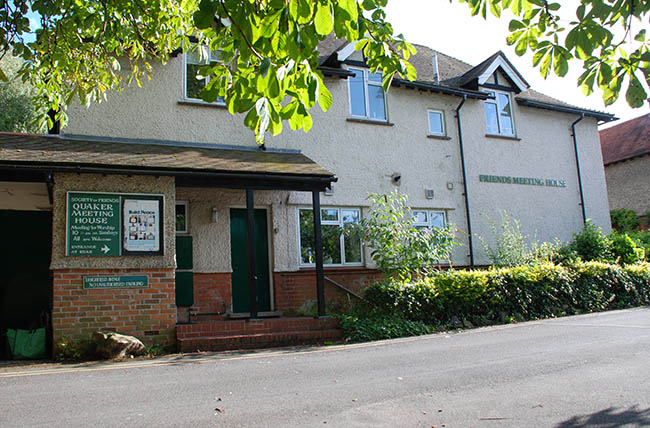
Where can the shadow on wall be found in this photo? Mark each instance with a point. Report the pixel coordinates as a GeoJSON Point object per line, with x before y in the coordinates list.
{"type": "Point", "coordinates": [610, 418]}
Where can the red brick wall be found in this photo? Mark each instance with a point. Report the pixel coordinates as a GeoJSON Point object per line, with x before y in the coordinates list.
{"type": "Point", "coordinates": [212, 294]}
{"type": "Point", "coordinates": [293, 289]}
{"type": "Point", "coordinates": [147, 313]}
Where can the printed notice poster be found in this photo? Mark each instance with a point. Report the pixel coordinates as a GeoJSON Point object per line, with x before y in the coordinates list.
{"type": "Point", "coordinates": [141, 231]}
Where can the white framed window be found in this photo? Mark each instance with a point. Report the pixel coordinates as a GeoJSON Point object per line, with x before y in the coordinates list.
{"type": "Point", "coordinates": [341, 236]}
{"type": "Point", "coordinates": [193, 83]}
{"type": "Point", "coordinates": [498, 114]}
{"type": "Point", "coordinates": [182, 217]}
{"type": "Point", "coordinates": [436, 120]}
{"type": "Point", "coordinates": [427, 219]}
{"type": "Point", "coordinates": [367, 97]}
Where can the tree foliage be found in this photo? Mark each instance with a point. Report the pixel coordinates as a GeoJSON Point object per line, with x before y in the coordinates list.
{"type": "Point", "coordinates": [16, 98]}
{"type": "Point", "coordinates": [268, 68]}
{"type": "Point", "coordinates": [608, 36]}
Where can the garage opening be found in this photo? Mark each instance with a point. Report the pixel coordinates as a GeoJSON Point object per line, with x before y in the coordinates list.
{"type": "Point", "coordinates": [25, 278]}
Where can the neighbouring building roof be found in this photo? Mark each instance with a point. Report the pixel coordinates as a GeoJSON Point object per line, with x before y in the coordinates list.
{"type": "Point", "coordinates": [626, 140]}
{"type": "Point", "coordinates": [192, 164]}
{"type": "Point", "coordinates": [457, 77]}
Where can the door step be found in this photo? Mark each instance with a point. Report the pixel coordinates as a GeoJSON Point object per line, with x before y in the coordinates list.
{"type": "Point", "coordinates": [267, 314]}
{"type": "Point", "coordinates": [255, 333]}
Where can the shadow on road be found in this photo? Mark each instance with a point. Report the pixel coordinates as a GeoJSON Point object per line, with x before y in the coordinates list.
{"type": "Point", "coordinates": [610, 418]}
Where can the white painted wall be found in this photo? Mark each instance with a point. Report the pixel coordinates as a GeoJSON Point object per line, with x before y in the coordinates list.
{"type": "Point", "coordinates": [364, 156]}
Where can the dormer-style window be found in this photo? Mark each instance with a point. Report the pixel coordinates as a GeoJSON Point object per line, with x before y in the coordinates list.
{"type": "Point", "coordinates": [367, 98]}
{"type": "Point", "coordinates": [498, 114]}
{"type": "Point", "coordinates": [194, 83]}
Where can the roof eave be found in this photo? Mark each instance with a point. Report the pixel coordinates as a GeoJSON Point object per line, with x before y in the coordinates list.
{"type": "Point", "coordinates": [604, 117]}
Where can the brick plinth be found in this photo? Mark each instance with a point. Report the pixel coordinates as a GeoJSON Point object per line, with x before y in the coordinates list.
{"type": "Point", "coordinates": [149, 313]}
{"type": "Point", "coordinates": [212, 295]}
{"type": "Point", "coordinates": [293, 289]}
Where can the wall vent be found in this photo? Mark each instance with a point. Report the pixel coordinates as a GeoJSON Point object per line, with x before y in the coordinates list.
{"type": "Point", "coordinates": [428, 193]}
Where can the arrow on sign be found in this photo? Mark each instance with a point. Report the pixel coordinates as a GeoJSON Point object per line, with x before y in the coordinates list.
{"type": "Point", "coordinates": [106, 249]}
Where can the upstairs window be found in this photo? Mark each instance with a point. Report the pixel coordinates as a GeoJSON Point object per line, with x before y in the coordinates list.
{"type": "Point", "coordinates": [341, 236]}
{"type": "Point", "coordinates": [367, 98]}
{"type": "Point", "coordinates": [194, 83]}
{"type": "Point", "coordinates": [436, 122]}
{"type": "Point", "coordinates": [182, 217]}
{"type": "Point", "coordinates": [498, 114]}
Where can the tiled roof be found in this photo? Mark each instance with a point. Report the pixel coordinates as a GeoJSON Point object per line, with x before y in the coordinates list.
{"type": "Point", "coordinates": [175, 158]}
{"type": "Point", "coordinates": [626, 140]}
{"type": "Point", "coordinates": [454, 73]}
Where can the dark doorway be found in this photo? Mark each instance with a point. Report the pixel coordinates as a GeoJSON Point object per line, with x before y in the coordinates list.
{"type": "Point", "coordinates": [25, 279]}
{"type": "Point", "coordinates": [239, 260]}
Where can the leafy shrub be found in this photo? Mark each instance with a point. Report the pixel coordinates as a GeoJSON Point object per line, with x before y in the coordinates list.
{"type": "Point", "coordinates": [625, 250]}
{"type": "Point", "coordinates": [75, 349]}
{"type": "Point", "coordinates": [624, 220]}
{"type": "Point", "coordinates": [378, 327]}
{"type": "Point", "coordinates": [397, 246]}
{"type": "Point", "coordinates": [518, 293]}
{"type": "Point", "coordinates": [510, 245]}
{"type": "Point", "coordinates": [590, 243]}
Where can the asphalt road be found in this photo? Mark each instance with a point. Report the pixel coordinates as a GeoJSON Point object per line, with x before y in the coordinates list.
{"type": "Point", "coordinates": [578, 372]}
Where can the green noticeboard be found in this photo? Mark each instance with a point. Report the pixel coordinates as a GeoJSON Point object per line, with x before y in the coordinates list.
{"type": "Point", "coordinates": [93, 224]}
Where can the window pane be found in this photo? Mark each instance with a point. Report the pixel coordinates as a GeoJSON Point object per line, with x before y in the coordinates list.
{"type": "Point", "coordinates": [419, 217]}
{"type": "Point", "coordinates": [194, 85]}
{"type": "Point", "coordinates": [331, 244]}
{"type": "Point", "coordinates": [437, 219]}
{"type": "Point", "coordinates": [491, 118]}
{"type": "Point", "coordinates": [351, 216]}
{"type": "Point", "coordinates": [374, 77]}
{"type": "Point", "coordinates": [435, 123]}
{"type": "Point", "coordinates": [181, 218]}
{"type": "Point", "coordinates": [352, 242]}
{"type": "Point", "coordinates": [377, 106]}
{"type": "Point", "coordinates": [357, 94]}
{"type": "Point", "coordinates": [307, 253]}
{"type": "Point", "coordinates": [329, 214]}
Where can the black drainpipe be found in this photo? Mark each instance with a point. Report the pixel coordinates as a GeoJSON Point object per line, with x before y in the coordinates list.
{"type": "Point", "coordinates": [575, 148]}
{"type": "Point", "coordinates": [470, 240]}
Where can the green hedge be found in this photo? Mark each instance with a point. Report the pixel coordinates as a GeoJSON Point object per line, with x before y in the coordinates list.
{"type": "Point", "coordinates": [518, 293]}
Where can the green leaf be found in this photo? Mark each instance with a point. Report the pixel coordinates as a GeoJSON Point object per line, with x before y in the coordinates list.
{"type": "Point", "coordinates": [262, 109]}
{"type": "Point", "coordinates": [324, 21]}
{"type": "Point", "coordinates": [3, 76]}
{"type": "Point", "coordinates": [635, 94]}
{"type": "Point", "coordinates": [204, 16]}
{"type": "Point", "coordinates": [264, 66]}
{"type": "Point", "coordinates": [324, 98]}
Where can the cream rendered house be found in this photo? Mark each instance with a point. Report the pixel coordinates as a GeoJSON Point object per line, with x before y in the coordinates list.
{"type": "Point", "coordinates": [464, 143]}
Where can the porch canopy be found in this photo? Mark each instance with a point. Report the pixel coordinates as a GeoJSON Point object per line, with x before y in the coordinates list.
{"type": "Point", "coordinates": [33, 157]}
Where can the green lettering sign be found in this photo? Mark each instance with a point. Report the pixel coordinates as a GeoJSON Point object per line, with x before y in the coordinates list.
{"type": "Point", "coordinates": [529, 181]}
{"type": "Point", "coordinates": [93, 224]}
{"type": "Point", "coordinates": [138, 281]}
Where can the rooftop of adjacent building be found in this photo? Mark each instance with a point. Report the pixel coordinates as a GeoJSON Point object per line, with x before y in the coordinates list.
{"type": "Point", "coordinates": [626, 140]}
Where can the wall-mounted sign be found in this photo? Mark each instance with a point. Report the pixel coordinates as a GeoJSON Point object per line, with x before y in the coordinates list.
{"type": "Point", "coordinates": [137, 281]}
{"type": "Point", "coordinates": [106, 224]}
{"type": "Point", "coordinates": [530, 181]}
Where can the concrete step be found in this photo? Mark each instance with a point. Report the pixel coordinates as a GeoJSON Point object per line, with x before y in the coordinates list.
{"type": "Point", "coordinates": [257, 340]}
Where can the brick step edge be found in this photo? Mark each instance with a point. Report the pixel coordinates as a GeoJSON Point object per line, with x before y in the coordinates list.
{"type": "Point", "coordinates": [262, 340]}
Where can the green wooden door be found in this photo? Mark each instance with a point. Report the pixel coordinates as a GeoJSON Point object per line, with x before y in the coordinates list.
{"type": "Point", "coordinates": [239, 260]}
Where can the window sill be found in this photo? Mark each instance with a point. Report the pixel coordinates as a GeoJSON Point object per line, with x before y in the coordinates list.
{"type": "Point", "coordinates": [438, 137]}
{"type": "Point", "coordinates": [370, 121]}
{"type": "Point", "coordinates": [191, 102]}
{"type": "Point", "coordinates": [503, 137]}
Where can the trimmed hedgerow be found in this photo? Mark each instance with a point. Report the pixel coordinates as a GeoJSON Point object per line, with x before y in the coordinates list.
{"type": "Point", "coordinates": [378, 327]}
{"type": "Point", "coordinates": [485, 297]}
